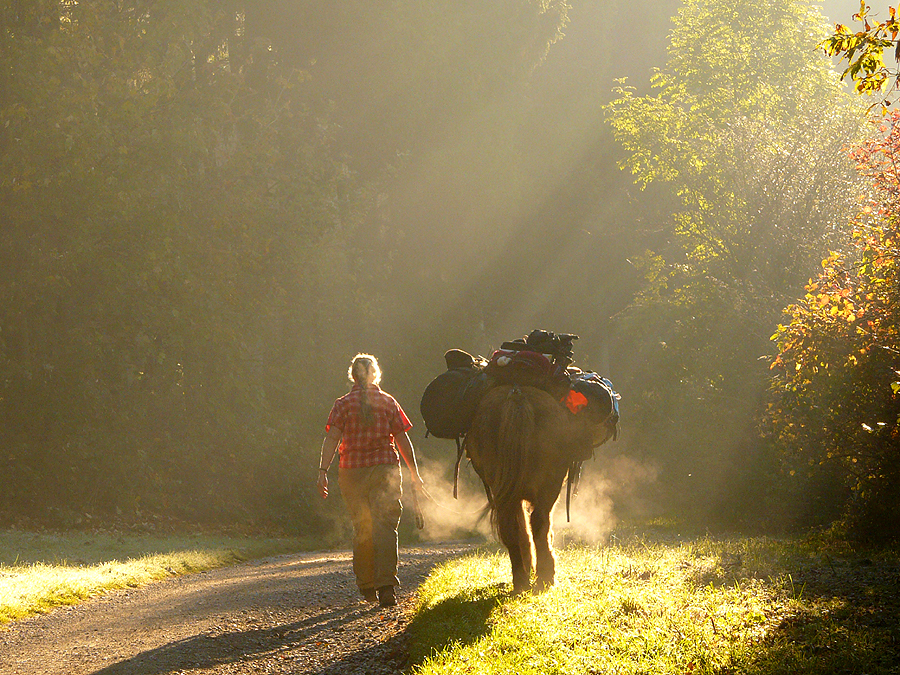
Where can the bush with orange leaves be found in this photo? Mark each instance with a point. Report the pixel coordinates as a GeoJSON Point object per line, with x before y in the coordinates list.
{"type": "Point", "coordinates": [836, 389]}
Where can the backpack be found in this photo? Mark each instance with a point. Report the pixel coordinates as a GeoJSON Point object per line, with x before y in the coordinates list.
{"type": "Point", "coordinates": [593, 396]}
{"type": "Point", "coordinates": [449, 401]}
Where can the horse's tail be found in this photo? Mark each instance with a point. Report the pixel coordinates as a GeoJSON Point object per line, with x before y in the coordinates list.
{"type": "Point", "coordinates": [516, 445]}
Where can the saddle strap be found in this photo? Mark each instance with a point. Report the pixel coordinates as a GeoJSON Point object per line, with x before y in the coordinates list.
{"type": "Point", "coordinates": [572, 482]}
{"type": "Point", "coordinates": [459, 456]}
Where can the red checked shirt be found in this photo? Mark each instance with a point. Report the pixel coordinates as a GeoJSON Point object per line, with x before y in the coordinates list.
{"type": "Point", "coordinates": [371, 445]}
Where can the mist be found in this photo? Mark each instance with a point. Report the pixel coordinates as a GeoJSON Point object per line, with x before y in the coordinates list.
{"type": "Point", "coordinates": [609, 489]}
{"type": "Point", "coordinates": [446, 517]}
{"type": "Point", "coordinates": [205, 220]}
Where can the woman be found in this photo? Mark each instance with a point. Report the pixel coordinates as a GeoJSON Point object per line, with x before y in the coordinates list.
{"type": "Point", "coordinates": [368, 428]}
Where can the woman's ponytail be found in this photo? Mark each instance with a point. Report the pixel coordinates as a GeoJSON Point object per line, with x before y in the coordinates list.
{"type": "Point", "coordinates": [364, 370]}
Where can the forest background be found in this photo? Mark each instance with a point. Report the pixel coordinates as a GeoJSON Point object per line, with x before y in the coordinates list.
{"type": "Point", "coordinates": [208, 208]}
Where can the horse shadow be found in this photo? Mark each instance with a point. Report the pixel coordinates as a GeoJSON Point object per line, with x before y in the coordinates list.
{"type": "Point", "coordinates": [456, 621]}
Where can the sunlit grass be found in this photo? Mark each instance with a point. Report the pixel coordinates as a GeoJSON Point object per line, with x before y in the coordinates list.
{"type": "Point", "coordinates": [697, 607]}
{"type": "Point", "coordinates": [39, 571]}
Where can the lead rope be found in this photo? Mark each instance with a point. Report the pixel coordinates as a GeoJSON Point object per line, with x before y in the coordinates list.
{"type": "Point", "coordinates": [428, 495]}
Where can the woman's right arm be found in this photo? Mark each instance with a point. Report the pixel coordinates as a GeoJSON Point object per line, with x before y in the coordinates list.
{"type": "Point", "coordinates": [408, 453]}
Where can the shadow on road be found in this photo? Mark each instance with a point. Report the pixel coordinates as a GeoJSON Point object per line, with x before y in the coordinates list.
{"type": "Point", "coordinates": [348, 636]}
{"type": "Point", "coordinates": [206, 651]}
{"type": "Point", "coordinates": [455, 621]}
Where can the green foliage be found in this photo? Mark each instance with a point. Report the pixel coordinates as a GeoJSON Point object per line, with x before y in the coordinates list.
{"type": "Point", "coordinates": [837, 396]}
{"type": "Point", "coordinates": [199, 210]}
{"type": "Point", "coordinates": [161, 214]}
{"type": "Point", "coordinates": [747, 137]}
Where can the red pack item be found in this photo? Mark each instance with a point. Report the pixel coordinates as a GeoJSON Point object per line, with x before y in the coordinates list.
{"type": "Point", "coordinates": [575, 401]}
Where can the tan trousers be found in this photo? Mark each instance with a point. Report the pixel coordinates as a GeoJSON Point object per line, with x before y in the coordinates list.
{"type": "Point", "coordinates": [372, 495]}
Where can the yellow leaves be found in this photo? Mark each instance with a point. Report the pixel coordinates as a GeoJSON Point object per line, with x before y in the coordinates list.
{"type": "Point", "coordinates": [863, 51]}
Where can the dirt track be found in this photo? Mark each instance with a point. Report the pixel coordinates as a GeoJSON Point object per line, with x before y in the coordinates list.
{"type": "Point", "coordinates": [288, 614]}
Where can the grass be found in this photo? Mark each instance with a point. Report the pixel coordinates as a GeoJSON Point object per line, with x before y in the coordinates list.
{"type": "Point", "coordinates": [39, 571]}
{"type": "Point", "coordinates": [756, 606]}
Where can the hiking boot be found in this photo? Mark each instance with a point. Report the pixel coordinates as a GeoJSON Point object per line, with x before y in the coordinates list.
{"type": "Point", "coordinates": [369, 594]}
{"type": "Point", "coordinates": [386, 597]}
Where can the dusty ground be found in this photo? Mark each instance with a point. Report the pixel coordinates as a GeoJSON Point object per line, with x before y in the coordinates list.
{"type": "Point", "coordinates": [288, 614]}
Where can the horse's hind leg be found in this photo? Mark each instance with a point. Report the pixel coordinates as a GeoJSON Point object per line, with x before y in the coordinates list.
{"type": "Point", "coordinates": [525, 544]}
{"type": "Point", "coordinates": [543, 545]}
{"type": "Point", "coordinates": [508, 523]}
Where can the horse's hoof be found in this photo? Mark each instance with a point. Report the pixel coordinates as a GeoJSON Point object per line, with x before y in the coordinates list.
{"type": "Point", "coordinates": [541, 586]}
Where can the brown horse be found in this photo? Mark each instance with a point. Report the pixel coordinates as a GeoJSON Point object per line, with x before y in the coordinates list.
{"type": "Point", "coordinates": [522, 444]}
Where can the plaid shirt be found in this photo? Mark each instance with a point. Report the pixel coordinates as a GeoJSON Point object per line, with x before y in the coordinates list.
{"type": "Point", "coordinates": [371, 445]}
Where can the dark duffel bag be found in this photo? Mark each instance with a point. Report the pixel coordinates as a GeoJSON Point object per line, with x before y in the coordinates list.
{"type": "Point", "coordinates": [449, 401]}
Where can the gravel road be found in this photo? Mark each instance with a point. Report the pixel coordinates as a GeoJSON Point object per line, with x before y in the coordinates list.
{"type": "Point", "coordinates": [288, 614]}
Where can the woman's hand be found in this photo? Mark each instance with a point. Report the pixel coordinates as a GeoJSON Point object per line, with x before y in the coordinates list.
{"type": "Point", "coordinates": [322, 484]}
{"type": "Point", "coordinates": [329, 448]}
{"type": "Point", "coordinates": [420, 517]}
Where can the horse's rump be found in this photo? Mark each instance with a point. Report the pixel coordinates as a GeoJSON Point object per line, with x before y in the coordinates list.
{"type": "Point", "coordinates": [505, 440]}
{"type": "Point", "coordinates": [515, 446]}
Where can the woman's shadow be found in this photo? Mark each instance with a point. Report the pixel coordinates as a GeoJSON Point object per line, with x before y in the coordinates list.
{"type": "Point", "coordinates": [453, 621]}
